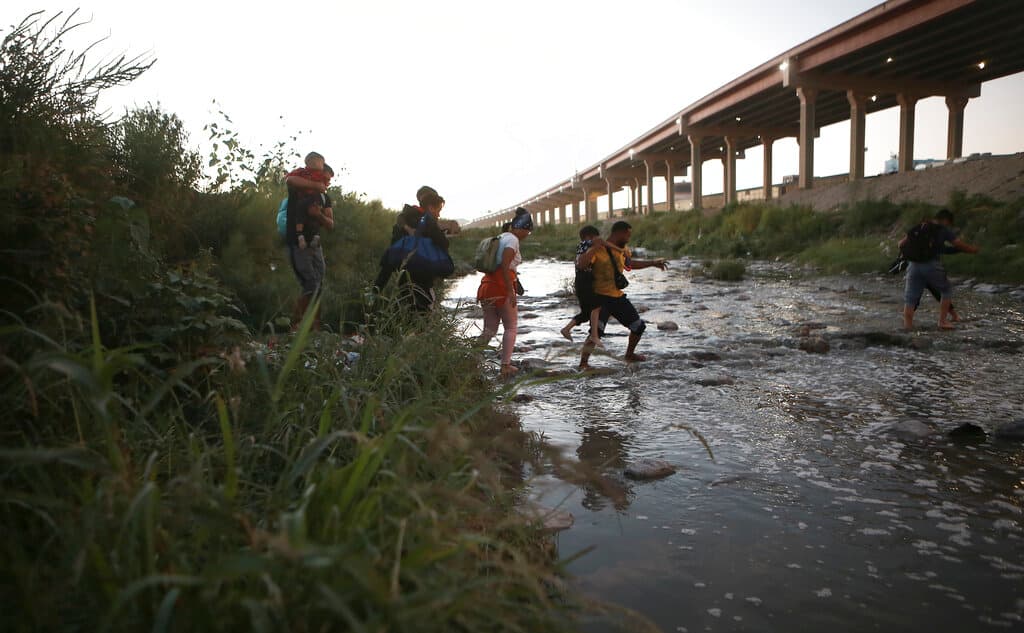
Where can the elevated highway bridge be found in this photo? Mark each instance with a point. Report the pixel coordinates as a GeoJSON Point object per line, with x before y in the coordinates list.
{"type": "Point", "coordinates": [890, 56]}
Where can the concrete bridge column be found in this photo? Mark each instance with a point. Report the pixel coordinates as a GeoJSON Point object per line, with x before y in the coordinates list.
{"type": "Point", "coordinates": [670, 185]}
{"type": "Point", "coordinates": [730, 169]}
{"type": "Point", "coordinates": [858, 110]}
{"type": "Point", "coordinates": [589, 214]}
{"type": "Point", "coordinates": [649, 164]}
{"type": "Point", "coordinates": [611, 190]}
{"type": "Point", "coordinates": [908, 103]}
{"type": "Point", "coordinates": [635, 195]}
{"type": "Point", "coordinates": [696, 167]}
{"type": "Point", "coordinates": [807, 97]}
{"type": "Point", "coordinates": [561, 214]}
{"type": "Point", "coordinates": [766, 177]}
{"type": "Point", "coordinates": [576, 210]}
{"type": "Point", "coordinates": [955, 129]}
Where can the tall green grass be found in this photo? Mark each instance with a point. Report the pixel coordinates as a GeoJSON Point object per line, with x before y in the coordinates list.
{"type": "Point", "coordinates": [294, 492]}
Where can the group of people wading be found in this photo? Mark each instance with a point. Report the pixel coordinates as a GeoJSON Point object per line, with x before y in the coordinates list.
{"type": "Point", "coordinates": [419, 252]}
{"type": "Point", "coordinates": [598, 284]}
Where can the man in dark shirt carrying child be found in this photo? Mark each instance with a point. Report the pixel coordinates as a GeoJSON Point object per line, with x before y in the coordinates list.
{"type": "Point", "coordinates": [923, 246]}
{"type": "Point", "coordinates": [308, 210]}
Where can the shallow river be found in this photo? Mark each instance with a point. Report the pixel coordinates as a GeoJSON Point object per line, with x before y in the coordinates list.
{"type": "Point", "coordinates": [815, 492]}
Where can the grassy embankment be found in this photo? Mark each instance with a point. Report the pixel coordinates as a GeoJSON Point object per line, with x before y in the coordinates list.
{"type": "Point", "coordinates": [163, 470]}
{"type": "Point", "coordinates": [859, 238]}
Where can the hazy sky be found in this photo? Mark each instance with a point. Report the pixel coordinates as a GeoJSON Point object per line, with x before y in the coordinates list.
{"type": "Point", "coordinates": [488, 102]}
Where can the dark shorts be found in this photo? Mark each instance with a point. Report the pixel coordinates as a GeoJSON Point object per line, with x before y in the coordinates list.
{"type": "Point", "coordinates": [309, 266]}
{"type": "Point", "coordinates": [622, 309]}
{"type": "Point", "coordinates": [921, 275]}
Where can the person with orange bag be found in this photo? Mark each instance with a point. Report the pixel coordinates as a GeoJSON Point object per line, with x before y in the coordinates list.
{"type": "Point", "coordinates": [497, 293]}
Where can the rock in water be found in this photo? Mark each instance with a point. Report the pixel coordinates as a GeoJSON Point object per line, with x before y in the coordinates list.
{"type": "Point", "coordinates": [911, 429]}
{"type": "Point", "coordinates": [649, 469]}
{"type": "Point", "coordinates": [670, 326]}
{"type": "Point", "coordinates": [967, 431]}
{"type": "Point", "coordinates": [710, 379]}
{"type": "Point", "coordinates": [1012, 430]}
{"type": "Point", "coordinates": [550, 519]}
{"type": "Point", "coordinates": [814, 345]}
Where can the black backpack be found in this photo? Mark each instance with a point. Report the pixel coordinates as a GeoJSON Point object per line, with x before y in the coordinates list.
{"type": "Point", "coordinates": [922, 242]}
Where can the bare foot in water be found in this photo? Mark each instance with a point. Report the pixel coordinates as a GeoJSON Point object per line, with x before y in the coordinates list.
{"type": "Point", "coordinates": [507, 371]}
{"type": "Point", "coordinates": [594, 342]}
{"type": "Point", "coordinates": [584, 367]}
{"type": "Point", "coordinates": [946, 326]}
{"type": "Point", "coordinates": [954, 316]}
{"type": "Point", "coordinates": [634, 358]}
{"type": "Point", "coordinates": [567, 332]}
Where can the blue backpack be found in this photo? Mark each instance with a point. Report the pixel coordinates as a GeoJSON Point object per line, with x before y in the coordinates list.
{"type": "Point", "coordinates": [419, 255]}
{"type": "Point", "coordinates": [282, 218]}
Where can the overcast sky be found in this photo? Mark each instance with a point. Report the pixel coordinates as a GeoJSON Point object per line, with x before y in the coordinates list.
{"type": "Point", "coordinates": [488, 102]}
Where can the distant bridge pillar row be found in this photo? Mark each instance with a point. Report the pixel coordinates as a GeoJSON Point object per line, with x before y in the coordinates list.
{"type": "Point", "coordinates": [908, 104]}
{"type": "Point", "coordinates": [858, 109]}
{"type": "Point", "coordinates": [730, 169]}
{"type": "Point", "coordinates": [670, 185]}
{"type": "Point", "coordinates": [696, 167]}
{"type": "Point", "coordinates": [576, 209]}
{"type": "Point", "coordinates": [808, 97]}
{"type": "Point", "coordinates": [650, 165]}
{"type": "Point", "coordinates": [561, 214]}
{"type": "Point", "coordinates": [955, 130]}
{"type": "Point", "coordinates": [766, 187]}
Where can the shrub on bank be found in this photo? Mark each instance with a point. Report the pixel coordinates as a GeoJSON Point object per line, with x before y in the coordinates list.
{"type": "Point", "coordinates": [728, 270]}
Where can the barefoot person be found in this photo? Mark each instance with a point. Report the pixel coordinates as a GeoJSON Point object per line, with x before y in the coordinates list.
{"type": "Point", "coordinates": [605, 264]}
{"type": "Point", "coordinates": [923, 246]}
{"type": "Point", "coordinates": [583, 284]}
{"type": "Point", "coordinates": [497, 292]}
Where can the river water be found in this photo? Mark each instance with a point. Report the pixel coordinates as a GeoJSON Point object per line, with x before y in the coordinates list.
{"type": "Point", "coordinates": [815, 491]}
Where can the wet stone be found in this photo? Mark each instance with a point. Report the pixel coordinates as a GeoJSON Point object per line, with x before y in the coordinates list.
{"type": "Point", "coordinates": [700, 307]}
{"type": "Point", "coordinates": [911, 429]}
{"type": "Point", "coordinates": [529, 315]}
{"type": "Point", "coordinates": [989, 288]}
{"type": "Point", "coordinates": [814, 345]}
{"type": "Point", "coordinates": [523, 398]}
{"type": "Point", "coordinates": [967, 431]}
{"type": "Point", "coordinates": [742, 297]}
{"type": "Point", "coordinates": [669, 326]}
{"type": "Point", "coordinates": [710, 379]}
{"type": "Point", "coordinates": [1011, 431]}
{"type": "Point", "coordinates": [549, 519]}
{"type": "Point", "coordinates": [705, 356]}
{"type": "Point", "coordinates": [649, 469]}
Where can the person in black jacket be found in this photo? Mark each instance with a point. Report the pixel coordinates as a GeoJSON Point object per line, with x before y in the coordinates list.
{"type": "Point", "coordinates": [421, 218]}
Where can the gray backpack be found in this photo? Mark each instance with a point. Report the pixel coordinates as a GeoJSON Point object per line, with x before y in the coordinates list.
{"type": "Point", "coordinates": [486, 258]}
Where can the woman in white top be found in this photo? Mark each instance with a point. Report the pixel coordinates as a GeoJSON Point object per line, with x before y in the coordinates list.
{"type": "Point", "coordinates": [497, 292]}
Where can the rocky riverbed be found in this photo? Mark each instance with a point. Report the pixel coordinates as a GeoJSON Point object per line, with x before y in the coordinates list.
{"type": "Point", "coordinates": [831, 471]}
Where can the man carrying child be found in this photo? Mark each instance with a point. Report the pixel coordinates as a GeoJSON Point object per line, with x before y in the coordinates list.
{"type": "Point", "coordinates": [309, 209]}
